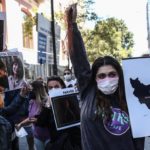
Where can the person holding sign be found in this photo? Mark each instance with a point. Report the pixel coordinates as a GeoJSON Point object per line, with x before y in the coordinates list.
{"type": "Point", "coordinates": [66, 139]}
{"type": "Point", "coordinates": [104, 115]}
{"type": "Point", "coordinates": [7, 112]}
{"type": "Point", "coordinates": [38, 101]}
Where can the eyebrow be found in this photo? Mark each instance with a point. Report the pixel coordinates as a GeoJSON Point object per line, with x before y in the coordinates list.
{"type": "Point", "coordinates": [107, 72]}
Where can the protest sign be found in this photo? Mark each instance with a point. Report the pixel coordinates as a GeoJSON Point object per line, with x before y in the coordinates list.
{"type": "Point", "coordinates": [137, 89]}
{"type": "Point", "coordinates": [11, 71]}
{"type": "Point", "coordinates": [65, 106]}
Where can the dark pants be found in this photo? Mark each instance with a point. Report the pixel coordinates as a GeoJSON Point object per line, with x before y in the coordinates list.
{"type": "Point", "coordinates": [15, 144]}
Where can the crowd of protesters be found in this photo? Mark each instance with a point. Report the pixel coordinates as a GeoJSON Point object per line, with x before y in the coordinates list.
{"type": "Point", "coordinates": [102, 95]}
{"type": "Point", "coordinates": [30, 107]}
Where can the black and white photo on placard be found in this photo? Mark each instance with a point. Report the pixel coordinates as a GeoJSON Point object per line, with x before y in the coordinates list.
{"type": "Point", "coordinates": [11, 70]}
{"type": "Point", "coordinates": [65, 105]}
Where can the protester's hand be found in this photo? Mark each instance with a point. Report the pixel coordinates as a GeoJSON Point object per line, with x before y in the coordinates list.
{"type": "Point", "coordinates": [2, 89]}
{"type": "Point", "coordinates": [74, 12]}
{"type": "Point", "coordinates": [18, 126]}
{"type": "Point", "coordinates": [71, 13]}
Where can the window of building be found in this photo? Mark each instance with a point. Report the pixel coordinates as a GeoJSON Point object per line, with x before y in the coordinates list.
{"type": "Point", "coordinates": [27, 28]}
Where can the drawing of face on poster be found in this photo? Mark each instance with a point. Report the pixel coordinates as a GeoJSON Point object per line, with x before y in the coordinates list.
{"type": "Point", "coordinates": [14, 69]}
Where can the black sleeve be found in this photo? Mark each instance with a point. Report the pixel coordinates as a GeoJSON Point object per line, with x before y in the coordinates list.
{"type": "Point", "coordinates": [46, 119]}
{"type": "Point", "coordinates": [13, 107]}
{"type": "Point", "coordinates": [139, 143]}
{"type": "Point", "coordinates": [79, 59]}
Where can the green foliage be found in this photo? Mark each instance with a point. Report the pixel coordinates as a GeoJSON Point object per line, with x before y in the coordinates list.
{"type": "Point", "coordinates": [89, 13]}
{"type": "Point", "coordinates": [85, 12]}
{"type": "Point", "coordinates": [109, 37]}
{"type": "Point", "coordinates": [28, 24]}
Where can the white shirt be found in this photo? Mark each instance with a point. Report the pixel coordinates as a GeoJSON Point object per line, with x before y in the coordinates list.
{"type": "Point", "coordinates": [71, 83]}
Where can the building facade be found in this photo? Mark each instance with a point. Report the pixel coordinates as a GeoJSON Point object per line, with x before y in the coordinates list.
{"type": "Point", "coordinates": [148, 23]}
{"type": "Point", "coordinates": [18, 29]}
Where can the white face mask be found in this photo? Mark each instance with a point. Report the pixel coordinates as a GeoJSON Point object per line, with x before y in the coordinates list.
{"type": "Point", "coordinates": [67, 77]}
{"type": "Point", "coordinates": [53, 90]}
{"type": "Point", "coordinates": [108, 86]}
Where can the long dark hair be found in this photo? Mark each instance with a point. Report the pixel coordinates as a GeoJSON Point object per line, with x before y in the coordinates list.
{"type": "Point", "coordinates": [57, 78]}
{"type": "Point", "coordinates": [103, 101]}
{"type": "Point", "coordinates": [20, 72]}
{"type": "Point", "coordinates": [39, 91]}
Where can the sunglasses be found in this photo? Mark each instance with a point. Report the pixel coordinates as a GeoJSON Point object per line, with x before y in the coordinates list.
{"type": "Point", "coordinates": [66, 73]}
{"type": "Point", "coordinates": [110, 75]}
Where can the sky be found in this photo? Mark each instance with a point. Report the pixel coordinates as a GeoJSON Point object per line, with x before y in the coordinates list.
{"type": "Point", "coordinates": [133, 12]}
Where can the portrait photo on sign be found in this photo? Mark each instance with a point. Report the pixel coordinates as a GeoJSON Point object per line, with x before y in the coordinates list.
{"type": "Point", "coordinates": [137, 88]}
{"type": "Point", "coordinates": [66, 108]}
{"type": "Point", "coordinates": [11, 71]}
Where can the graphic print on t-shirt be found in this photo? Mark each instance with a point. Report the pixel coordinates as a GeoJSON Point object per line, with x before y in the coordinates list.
{"type": "Point", "coordinates": [119, 124]}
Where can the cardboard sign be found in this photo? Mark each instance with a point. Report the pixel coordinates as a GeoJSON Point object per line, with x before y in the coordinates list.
{"type": "Point", "coordinates": [137, 88]}
{"type": "Point", "coordinates": [11, 71]}
{"type": "Point", "coordinates": [65, 106]}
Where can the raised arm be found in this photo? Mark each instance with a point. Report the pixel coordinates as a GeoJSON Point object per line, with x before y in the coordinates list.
{"type": "Point", "coordinates": [76, 49]}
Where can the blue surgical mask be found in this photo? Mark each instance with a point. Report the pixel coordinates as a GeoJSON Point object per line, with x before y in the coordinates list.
{"type": "Point", "coordinates": [53, 90]}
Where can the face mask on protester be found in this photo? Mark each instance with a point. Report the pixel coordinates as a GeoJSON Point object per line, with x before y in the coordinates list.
{"type": "Point", "coordinates": [53, 90]}
{"type": "Point", "coordinates": [108, 86]}
{"type": "Point", "coordinates": [67, 77]}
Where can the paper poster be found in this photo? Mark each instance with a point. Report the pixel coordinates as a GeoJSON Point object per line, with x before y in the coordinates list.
{"type": "Point", "coordinates": [137, 88]}
{"type": "Point", "coordinates": [21, 132]}
{"type": "Point", "coordinates": [11, 71]}
{"type": "Point", "coordinates": [65, 105]}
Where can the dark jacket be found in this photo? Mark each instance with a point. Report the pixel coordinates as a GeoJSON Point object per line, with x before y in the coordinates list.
{"type": "Point", "coordinates": [13, 98]}
{"type": "Point", "coordinates": [97, 134]}
{"type": "Point", "coordinates": [12, 108]}
{"type": "Point", "coordinates": [5, 134]}
{"type": "Point", "coordinates": [7, 124]}
{"type": "Point", "coordinates": [9, 111]}
{"type": "Point", "coordinates": [67, 139]}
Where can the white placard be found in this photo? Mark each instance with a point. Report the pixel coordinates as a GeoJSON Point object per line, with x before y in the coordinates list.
{"type": "Point", "coordinates": [65, 106]}
{"type": "Point", "coordinates": [137, 88]}
{"type": "Point", "coordinates": [21, 132]}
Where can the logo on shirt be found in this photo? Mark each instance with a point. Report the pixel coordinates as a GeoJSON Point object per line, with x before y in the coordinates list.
{"type": "Point", "coordinates": [119, 123]}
